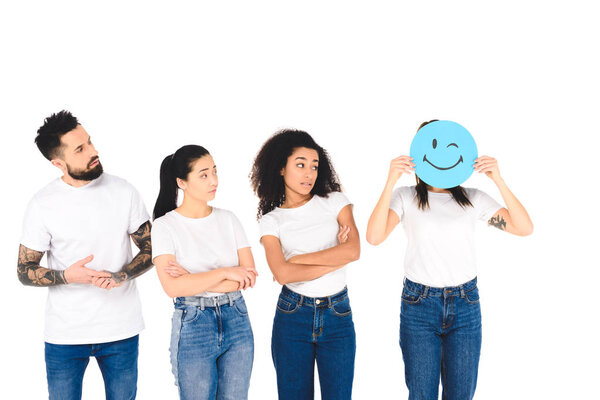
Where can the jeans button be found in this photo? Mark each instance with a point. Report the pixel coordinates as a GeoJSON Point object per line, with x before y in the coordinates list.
{"type": "Point", "coordinates": [318, 301]}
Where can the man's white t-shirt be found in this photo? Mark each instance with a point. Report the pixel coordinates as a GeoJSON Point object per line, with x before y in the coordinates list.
{"type": "Point", "coordinates": [440, 250]}
{"type": "Point", "coordinates": [306, 229]}
{"type": "Point", "coordinates": [69, 224]}
{"type": "Point", "coordinates": [200, 244]}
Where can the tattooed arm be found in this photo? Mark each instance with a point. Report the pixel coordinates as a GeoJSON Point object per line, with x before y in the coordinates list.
{"type": "Point", "coordinates": [514, 218]}
{"type": "Point", "coordinates": [141, 263]}
{"type": "Point", "coordinates": [30, 272]}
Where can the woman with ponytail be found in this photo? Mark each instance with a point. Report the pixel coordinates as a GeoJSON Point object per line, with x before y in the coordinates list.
{"type": "Point", "coordinates": [440, 317]}
{"type": "Point", "coordinates": [203, 260]}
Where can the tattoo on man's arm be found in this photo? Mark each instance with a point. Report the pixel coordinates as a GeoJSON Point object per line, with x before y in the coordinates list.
{"type": "Point", "coordinates": [498, 222]}
{"type": "Point", "coordinates": [142, 262]}
{"type": "Point", "coordinates": [30, 272]}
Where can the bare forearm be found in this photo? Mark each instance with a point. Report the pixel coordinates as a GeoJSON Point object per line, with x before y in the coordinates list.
{"type": "Point", "coordinates": [142, 262]}
{"type": "Point", "coordinates": [30, 272]}
{"type": "Point", "coordinates": [338, 255]}
{"type": "Point", "coordinates": [291, 272]}
{"type": "Point", "coordinates": [35, 275]}
{"type": "Point", "coordinates": [377, 225]}
{"type": "Point", "coordinates": [518, 214]}
{"type": "Point", "coordinates": [225, 286]}
{"type": "Point", "coordinates": [192, 284]}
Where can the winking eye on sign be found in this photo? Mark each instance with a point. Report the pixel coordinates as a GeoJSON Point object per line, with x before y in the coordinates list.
{"type": "Point", "coordinates": [444, 153]}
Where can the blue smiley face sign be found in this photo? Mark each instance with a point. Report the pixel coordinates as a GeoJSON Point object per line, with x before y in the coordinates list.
{"type": "Point", "coordinates": [444, 153]}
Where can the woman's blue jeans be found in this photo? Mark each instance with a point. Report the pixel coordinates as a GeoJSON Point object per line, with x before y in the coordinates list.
{"type": "Point", "coordinates": [212, 347]}
{"type": "Point", "coordinates": [306, 329]}
{"type": "Point", "coordinates": [440, 336]}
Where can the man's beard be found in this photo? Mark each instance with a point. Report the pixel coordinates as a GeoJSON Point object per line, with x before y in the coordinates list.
{"type": "Point", "coordinates": [87, 174]}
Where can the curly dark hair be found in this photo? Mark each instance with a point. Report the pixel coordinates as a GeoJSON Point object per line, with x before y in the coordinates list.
{"type": "Point", "coordinates": [265, 176]}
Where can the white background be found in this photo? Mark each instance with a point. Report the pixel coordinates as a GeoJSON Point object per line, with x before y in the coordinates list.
{"type": "Point", "coordinates": [145, 78]}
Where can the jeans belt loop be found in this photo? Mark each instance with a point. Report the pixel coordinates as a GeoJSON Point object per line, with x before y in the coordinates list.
{"type": "Point", "coordinates": [301, 300]}
{"type": "Point", "coordinates": [462, 291]}
{"type": "Point", "coordinates": [329, 301]}
{"type": "Point", "coordinates": [230, 296]}
{"type": "Point", "coordinates": [426, 291]}
{"type": "Point", "coordinates": [202, 303]}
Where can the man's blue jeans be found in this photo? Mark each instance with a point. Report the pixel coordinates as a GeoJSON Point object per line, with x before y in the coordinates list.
{"type": "Point", "coordinates": [212, 347]}
{"type": "Point", "coordinates": [65, 365]}
{"type": "Point", "coordinates": [440, 336]}
{"type": "Point", "coordinates": [306, 329]}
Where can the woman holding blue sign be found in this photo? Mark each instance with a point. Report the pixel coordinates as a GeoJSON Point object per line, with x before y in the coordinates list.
{"type": "Point", "coordinates": [440, 319]}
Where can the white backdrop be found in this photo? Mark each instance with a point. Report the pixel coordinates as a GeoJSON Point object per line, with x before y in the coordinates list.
{"type": "Point", "coordinates": [147, 77]}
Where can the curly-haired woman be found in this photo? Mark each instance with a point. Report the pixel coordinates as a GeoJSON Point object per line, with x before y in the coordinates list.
{"type": "Point", "coordinates": [309, 236]}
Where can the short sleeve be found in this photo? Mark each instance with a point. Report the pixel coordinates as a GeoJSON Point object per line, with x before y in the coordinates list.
{"type": "Point", "coordinates": [35, 235]}
{"type": "Point", "coordinates": [268, 225]}
{"type": "Point", "coordinates": [162, 240]}
{"type": "Point", "coordinates": [485, 206]}
{"type": "Point", "coordinates": [137, 213]}
{"type": "Point", "coordinates": [338, 201]}
{"type": "Point", "coordinates": [396, 203]}
{"type": "Point", "coordinates": [241, 240]}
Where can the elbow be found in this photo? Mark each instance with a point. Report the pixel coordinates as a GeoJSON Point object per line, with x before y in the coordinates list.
{"type": "Point", "coordinates": [526, 231]}
{"type": "Point", "coordinates": [355, 255]}
{"type": "Point", "coordinates": [373, 240]}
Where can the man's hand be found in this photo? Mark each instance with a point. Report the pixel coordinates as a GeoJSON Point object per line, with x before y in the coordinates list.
{"type": "Point", "coordinates": [79, 273]}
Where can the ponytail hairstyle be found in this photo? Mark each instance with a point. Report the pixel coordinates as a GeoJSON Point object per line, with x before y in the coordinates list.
{"type": "Point", "coordinates": [176, 165]}
{"type": "Point", "coordinates": [458, 192]}
{"type": "Point", "coordinates": [266, 178]}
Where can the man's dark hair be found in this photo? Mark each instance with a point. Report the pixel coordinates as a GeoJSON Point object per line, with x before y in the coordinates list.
{"type": "Point", "coordinates": [49, 134]}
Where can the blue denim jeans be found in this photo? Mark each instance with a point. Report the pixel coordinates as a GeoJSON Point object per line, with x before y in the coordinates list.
{"type": "Point", "coordinates": [440, 336]}
{"type": "Point", "coordinates": [306, 329]}
{"type": "Point", "coordinates": [66, 364]}
{"type": "Point", "coordinates": [212, 347]}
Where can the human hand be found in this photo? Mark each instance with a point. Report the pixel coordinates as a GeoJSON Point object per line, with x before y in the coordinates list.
{"type": "Point", "coordinates": [489, 166]}
{"type": "Point", "coordinates": [342, 235]}
{"type": "Point", "coordinates": [399, 166]}
{"type": "Point", "coordinates": [244, 276]}
{"type": "Point", "coordinates": [79, 273]}
{"type": "Point", "coordinates": [175, 270]}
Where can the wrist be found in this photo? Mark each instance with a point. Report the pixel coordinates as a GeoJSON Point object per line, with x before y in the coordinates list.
{"type": "Point", "coordinates": [63, 274]}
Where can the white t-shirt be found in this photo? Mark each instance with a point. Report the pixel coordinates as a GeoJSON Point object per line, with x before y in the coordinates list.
{"type": "Point", "coordinates": [306, 229]}
{"type": "Point", "coordinates": [200, 244]}
{"type": "Point", "coordinates": [69, 224]}
{"type": "Point", "coordinates": [440, 250]}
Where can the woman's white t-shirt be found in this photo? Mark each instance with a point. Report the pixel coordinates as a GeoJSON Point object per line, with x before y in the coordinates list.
{"type": "Point", "coordinates": [200, 244]}
{"type": "Point", "coordinates": [440, 250]}
{"type": "Point", "coordinates": [306, 229]}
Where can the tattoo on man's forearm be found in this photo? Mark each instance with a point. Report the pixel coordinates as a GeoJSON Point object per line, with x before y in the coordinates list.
{"type": "Point", "coordinates": [142, 262]}
{"type": "Point", "coordinates": [30, 272]}
{"type": "Point", "coordinates": [498, 222]}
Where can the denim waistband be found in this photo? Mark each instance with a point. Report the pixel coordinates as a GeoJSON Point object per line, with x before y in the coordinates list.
{"type": "Point", "coordinates": [318, 301]}
{"type": "Point", "coordinates": [213, 301]}
{"type": "Point", "coordinates": [425, 291]}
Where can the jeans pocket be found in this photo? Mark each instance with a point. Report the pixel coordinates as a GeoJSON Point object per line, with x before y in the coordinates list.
{"type": "Point", "coordinates": [341, 308]}
{"type": "Point", "coordinates": [189, 314]}
{"type": "Point", "coordinates": [410, 297]}
{"type": "Point", "coordinates": [240, 306]}
{"type": "Point", "coordinates": [286, 305]}
{"type": "Point", "coordinates": [472, 296]}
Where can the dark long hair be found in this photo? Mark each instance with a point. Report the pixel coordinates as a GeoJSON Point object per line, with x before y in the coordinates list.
{"type": "Point", "coordinates": [265, 176]}
{"type": "Point", "coordinates": [176, 165]}
{"type": "Point", "coordinates": [458, 192]}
